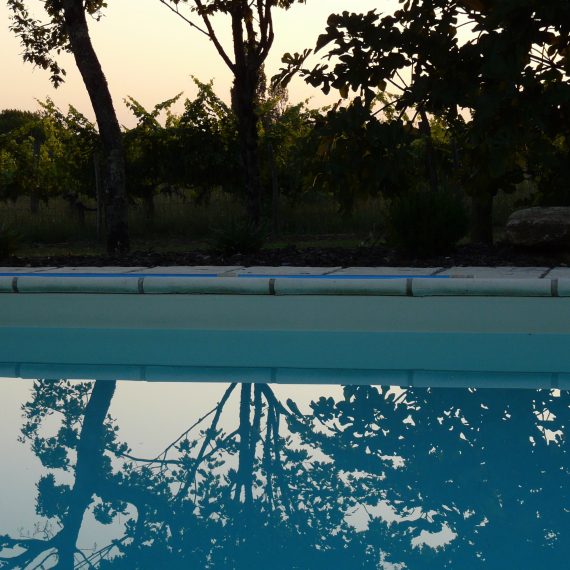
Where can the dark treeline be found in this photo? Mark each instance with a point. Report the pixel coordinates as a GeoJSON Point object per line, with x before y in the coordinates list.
{"type": "Point", "coordinates": [443, 105]}
{"type": "Point", "coordinates": [55, 154]}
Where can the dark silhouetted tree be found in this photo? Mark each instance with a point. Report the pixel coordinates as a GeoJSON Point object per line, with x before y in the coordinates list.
{"type": "Point", "coordinates": [252, 36]}
{"type": "Point", "coordinates": [502, 87]}
{"type": "Point", "coordinates": [66, 29]}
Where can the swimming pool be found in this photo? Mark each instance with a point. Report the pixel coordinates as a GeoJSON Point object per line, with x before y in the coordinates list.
{"type": "Point", "coordinates": [469, 325]}
{"type": "Point", "coordinates": [319, 429]}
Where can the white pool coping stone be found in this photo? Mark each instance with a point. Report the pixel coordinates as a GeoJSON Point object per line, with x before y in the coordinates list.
{"type": "Point", "coordinates": [355, 281]}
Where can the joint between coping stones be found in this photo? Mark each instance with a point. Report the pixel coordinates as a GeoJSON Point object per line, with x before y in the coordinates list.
{"type": "Point", "coordinates": [141, 285]}
{"type": "Point", "coordinates": [272, 286]}
{"type": "Point", "coordinates": [409, 287]}
{"type": "Point", "coordinates": [554, 287]}
{"type": "Point", "coordinates": [15, 285]}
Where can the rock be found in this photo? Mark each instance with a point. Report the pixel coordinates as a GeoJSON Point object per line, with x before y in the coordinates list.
{"type": "Point", "coordinates": [540, 227]}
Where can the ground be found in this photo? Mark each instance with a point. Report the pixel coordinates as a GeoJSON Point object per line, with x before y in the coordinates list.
{"type": "Point", "coordinates": [297, 255]}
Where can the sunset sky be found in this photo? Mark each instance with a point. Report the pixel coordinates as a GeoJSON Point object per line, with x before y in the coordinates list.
{"type": "Point", "coordinates": [149, 53]}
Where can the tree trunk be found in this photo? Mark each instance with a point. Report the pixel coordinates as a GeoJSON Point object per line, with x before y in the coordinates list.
{"type": "Point", "coordinates": [98, 195]}
{"type": "Point", "coordinates": [244, 104]}
{"type": "Point", "coordinates": [482, 218]}
{"type": "Point", "coordinates": [87, 469]}
{"type": "Point", "coordinates": [246, 72]}
{"type": "Point", "coordinates": [109, 129]}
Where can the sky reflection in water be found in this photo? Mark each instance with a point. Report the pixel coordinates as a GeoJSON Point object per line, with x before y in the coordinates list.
{"type": "Point", "coordinates": [140, 475]}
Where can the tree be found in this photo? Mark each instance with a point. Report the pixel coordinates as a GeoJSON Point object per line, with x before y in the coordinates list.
{"type": "Point", "coordinates": [34, 161]}
{"type": "Point", "coordinates": [206, 144]}
{"type": "Point", "coordinates": [252, 35]}
{"type": "Point", "coordinates": [357, 155]}
{"type": "Point", "coordinates": [66, 30]}
{"type": "Point", "coordinates": [285, 140]}
{"type": "Point", "coordinates": [151, 160]}
{"type": "Point", "coordinates": [50, 154]}
{"type": "Point", "coordinates": [498, 90]}
{"type": "Point", "coordinates": [195, 151]}
{"type": "Point", "coordinates": [13, 119]}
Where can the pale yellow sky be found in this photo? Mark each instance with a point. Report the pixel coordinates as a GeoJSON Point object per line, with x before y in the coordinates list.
{"type": "Point", "coordinates": [148, 53]}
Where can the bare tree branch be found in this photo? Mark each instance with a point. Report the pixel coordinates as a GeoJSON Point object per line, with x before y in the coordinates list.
{"type": "Point", "coordinates": [212, 35]}
{"type": "Point", "coordinates": [183, 17]}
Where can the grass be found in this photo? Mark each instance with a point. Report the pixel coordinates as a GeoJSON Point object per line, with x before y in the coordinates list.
{"type": "Point", "coordinates": [182, 225]}
{"type": "Point", "coordinates": [178, 245]}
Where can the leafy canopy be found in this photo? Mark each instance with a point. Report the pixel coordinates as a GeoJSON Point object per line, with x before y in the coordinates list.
{"type": "Point", "coordinates": [44, 40]}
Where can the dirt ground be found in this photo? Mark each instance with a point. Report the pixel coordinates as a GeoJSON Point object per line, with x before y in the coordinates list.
{"type": "Point", "coordinates": [467, 255]}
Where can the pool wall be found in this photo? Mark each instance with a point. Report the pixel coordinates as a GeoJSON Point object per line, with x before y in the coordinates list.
{"type": "Point", "coordinates": [396, 325]}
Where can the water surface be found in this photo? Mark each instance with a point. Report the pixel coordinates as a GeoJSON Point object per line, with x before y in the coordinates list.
{"type": "Point", "coordinates": [122, 475]}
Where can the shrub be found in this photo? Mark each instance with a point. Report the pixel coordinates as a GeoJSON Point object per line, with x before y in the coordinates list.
{"type": "Point", "coordinates": [238, 236]}
{"type": "Point", "coordinates": [424, 223]}
{"type": "Point", "coordinates": [8, 242]}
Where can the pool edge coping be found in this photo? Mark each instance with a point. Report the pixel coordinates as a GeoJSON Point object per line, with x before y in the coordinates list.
{"type": "Point", "coordinates": [278, 285]}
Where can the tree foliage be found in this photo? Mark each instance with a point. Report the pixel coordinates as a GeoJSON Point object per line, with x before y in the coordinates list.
{"type": "Point", "coordinates": [48, 154]}
{"type": "Point", "coordinates": [44, 40]}
{"type": "Point", "coordinates": [501, 87]}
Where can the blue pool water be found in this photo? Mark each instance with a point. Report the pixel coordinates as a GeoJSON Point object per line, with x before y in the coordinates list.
{"type": "Point", "coordinates": [300, 432]}
{"type": "Point", "coordinates": [118, 474]}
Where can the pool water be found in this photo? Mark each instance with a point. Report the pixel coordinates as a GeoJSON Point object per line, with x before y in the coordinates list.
{"type": "Point", "coordinates": [124, 475]}
{"type": "Point", "coordinates": [386, 426]}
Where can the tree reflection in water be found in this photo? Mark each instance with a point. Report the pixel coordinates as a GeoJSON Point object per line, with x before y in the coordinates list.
{"type": "Point", "coordinates": [440, 478]}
